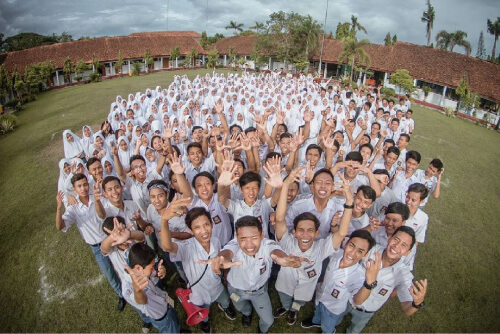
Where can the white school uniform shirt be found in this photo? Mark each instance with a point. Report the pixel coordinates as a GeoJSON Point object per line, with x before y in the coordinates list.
{"type": "Point", "coordinates": [261, 209]}
{"type": "Point", "coordinates": [381, 165]}
{"type": "Point", "coordinates": [409, 125]}
{"type": "Point", "coordinates": [340, 284]}
{"type": "Point", "coordinates": [189, 251]}
{"type": "Point", "coordinates": [397, 276]}
{"type": "Point", "coordinates": [208, 165]}
{"type": "Point", "coordinates": [129, 209]}
{"type": "Point", "coordinates": [221, 227]}
{"type": "Point", "coordinates": [430, 184]}
{"type": "Point", "coordinates": [359, 223]}
{"type": "Point", "coordinates": [382, 240]}
{"type": "Point", "coordinates": [156, 306]}
{"type": "Point", "coordinates": [378, 207]}
{"type": "Point", "coordinates": [418, 222]}
{"type": "Point", "coordinates": [301, 282]}
{"type": "Point", "coordinates": [255, 270]}
{"type": "Point", "coordinates": [401, 183]}
{"type": "Point", "coordinates": [358, 181]}
{"type": "Point", "coordinates": [139, 191]}
{"type": "Point", "coordinates": [86, 220]}
{"type": "Point", "coordinates": [176, 224]}
{"type": "Point", "coordinates": [119, 258]}
{"type": "Point", "coordinates": [307, 205]}
{"type": "Point", "coordinates": [401, 159]}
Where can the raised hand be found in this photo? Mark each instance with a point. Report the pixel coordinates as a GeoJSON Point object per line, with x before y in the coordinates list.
{"type": "Point", "coordinates": [182, 132]}
{"type": "Point", "coordinates": [336, 219]}
{"type": "Point", "coordinates": [294, 176]}
{"type": "Point", "coordinates": [220, 144]}
{"type": "Point", "coordinates": [139, 280]}
{"type": "Point", "coordinates": [167, 132]}
{"type": "Point", "coordinates": [72, 200]}
{"type": "Point", "coordinates": [307, 116]}
{"type": "Point", "coordinates": [74, 167]}
{"type": "Point", "coordinates": [245, 144]}
{"type": "Point", "coordinates": [176, 208]}
{"type": "Point", "coordinates": [375, 223]}
{"type": "Point", "coordinates": [175, 164]}
{"type": "Point", "coordinates": [162, 271]}
{"type": "Point", "coordinates": [382, 178]}
{"type": "Point", "coordinates": [372, 268]}
{"type": "Point", "coordinates": [97, 191]}
{"type": "Point", "coordinates": [330, 122]}
{"type": "Point", "coordinates": [309, 172]}
{"type": "Point", "coordinates": [328, 142]}
{"type": "Point", "coordinates": [280, 117]}
{"type": "Point", "coordinates": [220, 262]}
{"type": "Point", "coordinates": [219, 108]}
{"type": "Point", "coordinates": [273, 170]}
{"type": "Point", "coordinates": [59, 199]}
{"type": "Point", "coordinates": [254, 141]}
{"type": "Point", "coordinates": [120, 234]}
{"type": "Point", "coordinates": [289, 261]}
{"type": "Point", "coordinates": [383, 133]}
{"type": "Point", "coordinates": [226, 177]}
{"type": "Point", "coordinates": [418, 291]}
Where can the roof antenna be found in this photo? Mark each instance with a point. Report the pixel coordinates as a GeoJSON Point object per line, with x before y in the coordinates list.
{"type": "Point", "coordinates": [167, 12]}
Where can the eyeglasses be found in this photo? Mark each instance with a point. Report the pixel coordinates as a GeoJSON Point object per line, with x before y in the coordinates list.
{"type": "Point", "coordinates": [136, 168]}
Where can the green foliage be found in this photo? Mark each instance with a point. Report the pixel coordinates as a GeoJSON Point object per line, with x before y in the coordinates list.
{"type": "Point", "coordinates": [352, 49]}
{"type": "Point", "coordinates": [247, 32]}
{"type": "Point", "coordinates": [136, 68]}
{"type": "Point", "coordinates": [494, 29]}
{"type": "Point", "coordinates": [428, 17]}
{"type": "Point", "coordinates": [388, 39]}
{"type": "Point", "coordinates": [212, 57]}
{"type": "Point", "coordinates": [387, 92]}
{"type": "Point", "coordinates": [193, 55]}
{"type": "Point", "coordinates": [6, 84]}
{"type": "Point", "coordinates": [448, 40]}
{"type": "Point", "coordinates": [450, 112]}
{"type": "Point", "coordinates": [78, 78]}
{"type": "Point", "coordinates": [63, 37]}
{"type": "Point", "coordinates": [148, 60]}
{"type": "Point", "coordinates": [302, 65]}
{"type": "Point", "coordinates": [95, 77]}
{"type": "Point", "coordinates": [356, 26]}
{"type": "Point", "coordinates": [6, 126]}
{"type": "Point", "coordinates": [481, 51]}
{"type": "Point", "coordinates": [235, 26]}
{"type": "Point", "coordinates": [257, 58]}
{"type": "Point", "coordinates": [258, 28]}
{"type": "Point", "coordinates": [343, 30]}
{"type": "Point", "coordinates": [68, 68]}
{"type": "Point", "coordinates": [81, 68]}
{"type": "Point", "coordinates": [11, 118]}
{"type": "Point", "coordinates": [96, 65]}
{"type": "Point", "coordinates": [175, 53]}
{"type": "Point", "coordinates": [403, 79]}
{"type": "Point", "coordinates": [204, 40]}
{"type": "Point", "coordinates": [215, 38]}
{"type": "Point", "coordinates": [231, 54]}
{"type": "Point", "coordinates": [26, 40]}
{"type": "Point", "coordinates": [394, 39]}
{"type": "Point", "coordinates": [427, 90]}
{"type": "Point", "coordinates": [120, 62]}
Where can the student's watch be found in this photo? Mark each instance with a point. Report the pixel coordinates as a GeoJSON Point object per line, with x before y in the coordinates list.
{"type": "Point", "coordinates": [370, 286]}
{"type": "Point", "coordinates": [419, 306]}
{"type": "Point", "coordinates": [346, 206]}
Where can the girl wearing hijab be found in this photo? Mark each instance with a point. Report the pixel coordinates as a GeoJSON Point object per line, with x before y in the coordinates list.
{"type": "Point", "coordinates": [87, 140]}
{"type": "Point", "coordinates": [72, 145]}
{"type": "Point", "coordinates": [108, 167]}
{"type": "Point", "coordinates": [124, 153]}
{"type": "Point", "coordinates": [64, 171]}
{"type": "Point", "coordinates": [100, 148]}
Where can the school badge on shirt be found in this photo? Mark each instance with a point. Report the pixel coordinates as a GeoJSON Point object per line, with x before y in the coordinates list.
{"type": "Point", "coordinates": [263, 269]}
{"type": "Point", "coordinates": [382, 292]}
{"type": "Point", "coordinates": [311, 273]}
{"type": "Point", "coordinates": [335, 293]}
{"type": "Point", "coordinates": [216, 220]}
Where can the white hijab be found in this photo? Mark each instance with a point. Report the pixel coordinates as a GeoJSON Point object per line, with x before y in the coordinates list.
{"type": "Point", "coordinates": [71, 149]}
{"type": "Point", "coordinates": [124, 155]}
{"type": "Point", "coordinates": [62, 175]}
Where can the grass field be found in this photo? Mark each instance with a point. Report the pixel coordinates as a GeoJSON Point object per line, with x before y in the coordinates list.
{"type": "Point", "coordinates": [50, 282]}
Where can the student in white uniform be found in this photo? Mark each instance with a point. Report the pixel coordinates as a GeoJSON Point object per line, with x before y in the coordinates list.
{"type": "Point", "coordinates": [296, 286]}
{"type": "Point", "coordinates": [402, 143]}
{"type": "Point", "coordinates": [142, 293]}
{"type": "Point", "coordinates": [378, 207]}
{"type": "Point", "coordinates": [401, 180]}
{"type": "Point", "coordinates": [196, 162]}
{"type": "Point", "coordinates": [363, 200]}
{"type": "Point", "coordinates": [206, 286]}
{"type": "Point", "coordinates": [250, 256]}
{"type": "Point", "coordinates": [84, 216]}
{"type": "Point", "coordinates": [418, 220]}
{"type": "Point", "coordinates": [204, 186]}
{"type": "Point", "coordinates": [431, 178]}
{"type": "Point", "coordinates": [391, 275]}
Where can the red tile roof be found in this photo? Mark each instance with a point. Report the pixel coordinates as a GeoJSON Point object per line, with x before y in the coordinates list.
{"type": "Point", "coordinates": [104, 49]}
{"type": "Point", "coordinates": [167, 33]}
{"type": "Point", "coordinates": [242, 44]}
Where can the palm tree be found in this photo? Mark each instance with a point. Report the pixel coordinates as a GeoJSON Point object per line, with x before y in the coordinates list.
{"type": "Point", "coordinates": [352, 48]}
{"type": "Point", "coordinates": [429, 16]}
{"type": "Point", "coordinates": [443, 39]}
{"type": "Point", "coordinates": [494, 29]}
{"type": "Point", "coordinates": [458, 38]}
{"type": "Point", "coordinates": [355, 25]}
{"type": "Point", "coordinates": [236, 26]}
{"type": "Point", "coordinates": [309, 32]}
{"type": "Point", "coordinates": [259, 27]}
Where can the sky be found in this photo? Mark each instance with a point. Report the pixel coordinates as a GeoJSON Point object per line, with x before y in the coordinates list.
{"type": "Point", "coordinates": [122, 17]}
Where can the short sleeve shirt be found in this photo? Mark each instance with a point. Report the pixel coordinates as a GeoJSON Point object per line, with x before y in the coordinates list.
{"type": "Point", "coordinates": [85, 218]}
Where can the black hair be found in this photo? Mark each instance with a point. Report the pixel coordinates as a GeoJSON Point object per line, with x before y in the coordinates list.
{"type": "Point", "coordinates": [321, 171]}
{"type": "Point", "coordinates": [205, 174]}
{"type": "Point", "coordinates": [140, 254]}
{"type": "Point", "coordinates": [136, 157]}
{"type": "Point", "coordinates": [77, 177]}
{"type": "Point", "coordinates": [196, 127]}
{"type": "Point", "coordinates": [395, 120]}
{"type": "Point", "coordinates": [407, 136]}
{"type": "Point", "coordinates": [306, 216]}
{"type": "Point", "coordinates": [248, 221]}
{"type": "Point", "coordinates": [235, 126]}
{"type": "Point", "coordinates": [394, 149]}
{"type": "Point", "coordinates": [368, 192]}
{"type": "Point", "coordinates": [390, 141]}
{"type": "Point", "coordinates": [413, 155]}
{"type": "Point", "coordinates": [250, 129]}
{"type": "Point", "coordinates": [284, 125]}
{"type": "Point", "coordinates": [161, 182]}
{"type": "Point", "coordinates": [437, 163]}
{"type": "Point", "coordinates": [177, 150]}
{"type": "Point", "coordinates": [376, 123]}
{"type": "Point", "coordinates": [366, 145]}
{"type": "Point", "coordinates": [240, 161]}
{"type": "Point", "coordinates": [271, 155]}
{"type": "Point", "coordinates": [193, 144]}
{"type": "Point", "coordinates": [354, 156]}
{"type": "Point", "coordinates": [398, 208]}
{"type": "Point", "coordinates": [409, 110]}
{"type": "Point", "coordinates": [363, 234]}
{"type": "Point", "coordinates": [109, 179]}
{"type": "Point", "coordinates": [369, 104]}
{"type": "Point", "coordinates": [419, 188]}
{"type": "Point", "coordinates": [314, 147]}
{"type": "Point", "coordinates": [285, 135]}
{"type": "Point", "coordinates": [381, 172]}
{"type": "Point", "coordinates": [408, 230]}
{"type": "Point", "coordinates": [248, 177]}
{"type": "Point", "coordinates": [109, 223]}
{"type": "Point", "coordinates": [92, 161]}
{"type": "Point", "coordinates": [194, 213]}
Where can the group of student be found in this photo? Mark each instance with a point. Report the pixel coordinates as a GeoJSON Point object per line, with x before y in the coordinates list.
{"type": "Point", "coordinates": [242, 183]}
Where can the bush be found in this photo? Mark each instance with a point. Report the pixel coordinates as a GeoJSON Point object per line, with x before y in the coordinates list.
{"type": "Point", "coordinates": [449, 111]}
{"type": "Point", "coordinates": [6, 125]}
{"type": "Point", "coordinates": [14, 104]}
{"type": "Point", "coordinates": [388, 92]}
{"type": "Point", "coordinates": [354, 85]}
{"type": "Point", "coordinates": [11, 118]}
{"type": "Point", "coordinates": [78, 79]}
{"type": "Point", "coordinates": [95, 77]}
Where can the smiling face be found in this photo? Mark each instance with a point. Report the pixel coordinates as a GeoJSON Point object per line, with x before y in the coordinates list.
{"type": "Point", "coordinates": [323, 186]}
{"type": "Point", "coordinates": [67, 168]}
{"type": "Point", "coordinates": [355, 250]}
{"type": "Point", "coordinates": [195, 156]}
{"type": "Point", "coordinates": [390, 159]}
{"type": "Point", "coordinates": [138, 169]}
{"type": "Point", "coordinates": [250, 192]}
{"type": "Point", "coordinates": [305, 233]}
{"type": "Point", "coordinates": [313, 156]}
{"type": "Point", "coordinates": [391, 222]}
{"type": "Point", "coordinates": [69, 137]}
{"type": "Point", "coordinates": [293, 191]}
{"type": "Point", "coordinates": [123, 145]}
{"type": "Point", "coordinates": [204, 188]}
{"type": "Point", "coordinates": [201, 229]}
{"type": "Point", "coordinates": [361, 203]}
{"type": "Point", "coordinates": [411, 166]}
{"type": "Point", "coordinates": [249, 238]}
{"type": "Point", "coordinates": [399, 245]}
{"type": "Point", "coordinates": [108, 167]}
{"type": "Point", "coordinates": [158, 198]}
{"type": "Point", "coordinates": [86, 131]}
{"type": "Point", "coordinates": [96, 170]}
{"type": "Point", "coordinates": [113, 191]}
{"type": "Point", "coordinates": [413, 200]}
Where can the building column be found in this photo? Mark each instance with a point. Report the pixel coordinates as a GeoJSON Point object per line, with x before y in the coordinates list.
{"type": "Point", "coordinates": [129, 69]}
{"type": "Point", "coordinates": [57, 77]}
{"type": "Point", "coordinates": [385, 78]}
{"type": "Point", "coordinates": [364, 78]}
{"type": "Point", "coordinates": [269, 66]}
{"type": "Point", "coordinates": [225, 60]}
{"type": "Point", "coordinates": [415, 82]}
{"type": "Point", "coordinates": [203, 57]}
{"type": "Point", "coordinates": [444, 96]}
{"type": "Point", "coordinates": [326, 66]}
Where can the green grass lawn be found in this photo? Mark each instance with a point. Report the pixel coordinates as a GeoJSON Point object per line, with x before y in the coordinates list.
{"type": "Point", "coordinates": [51, 283]}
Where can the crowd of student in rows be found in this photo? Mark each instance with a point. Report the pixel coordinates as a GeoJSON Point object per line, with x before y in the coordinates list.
{"type": "Point", "coordinates": [234, 179]}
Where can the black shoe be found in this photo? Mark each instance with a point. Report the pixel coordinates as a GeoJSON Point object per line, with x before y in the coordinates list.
{"type": "Point", "coordinates": [205, 327]}
{"type": "Point", "coordinates": [308, 323]}
{"type": "Point", "coordinates": [278, 312]}
{"type": "Point", "coordinates": [121, 304]}
{"type": "Point", "coordinates": [246, 321]}
{"type": "Point", "coordinates": [230, 312]}
{"type": "Point", "coordinates": [146, 327]}
{"type": "Point", "coordinates": [292, 317]}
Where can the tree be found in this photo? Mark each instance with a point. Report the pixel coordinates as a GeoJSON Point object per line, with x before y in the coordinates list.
{"type": "Point", "coordinates": [26, 40]}
{"type": "Point", "coordinates": [468, 99]}
{"type": "Point", "coordinates": [388, 39]}
{"type": "Point", "coordinates": [308, 30]}
{"type": "Point", "coordinates": [232, 57]}
{"type": "Point", "coordinates": [259, 27]}
{"type": "Point", "coordinates": [175, 53]}
{"type": "Point", "coordinates": [342, 30]}
{"type": "Point", "coordinates": [215, 38]}
{"type": "Point", "coordinates": [352, 48]}
{"type": "Point", "coordinates": [136, 68]}
{"type": "Point", "coordinates": [6, 91]}
{"type": "Point", "coordinates": [356, 26]}
{"type": "Point", "coordinates": [191, 57]}
{"type": "Point", "coordinates": [257, 58]}
{"type": "Point", "coordinates": [212, 57]}
{"type": "Point", "coordinates": [403, 79]}
{"type": "Point", "coordinates": [394, 39]}
{"type": "Point", "coordinates": [428, 17]}
{"type": "Point", "coordinates": [80, 69]}
{"type": "Point", "coordinates": [481, 51]}
{"type": "Point", "coordinates": [302, 65]}
{"type": "Point", "coordinates": [68, 68]}
{"type": "Point", "coordinates": [148, 61]}
{"type": "Point", "coordinates": [204, 40]}
{"type": "Point", "coordinates": [119, 63]}
{"type": "Point", "coordinates": [95, 64]}
{"type": "Point", "coordinates": [236, 26]}
{"type": "Point", "coordinates": [494, 29]}
{"type": "Point", "coordinates": [443, 39]}
{"type": "Point", "coordinates": [446, 40]}
{"type": "Point", "coordinates": [64, 37]}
